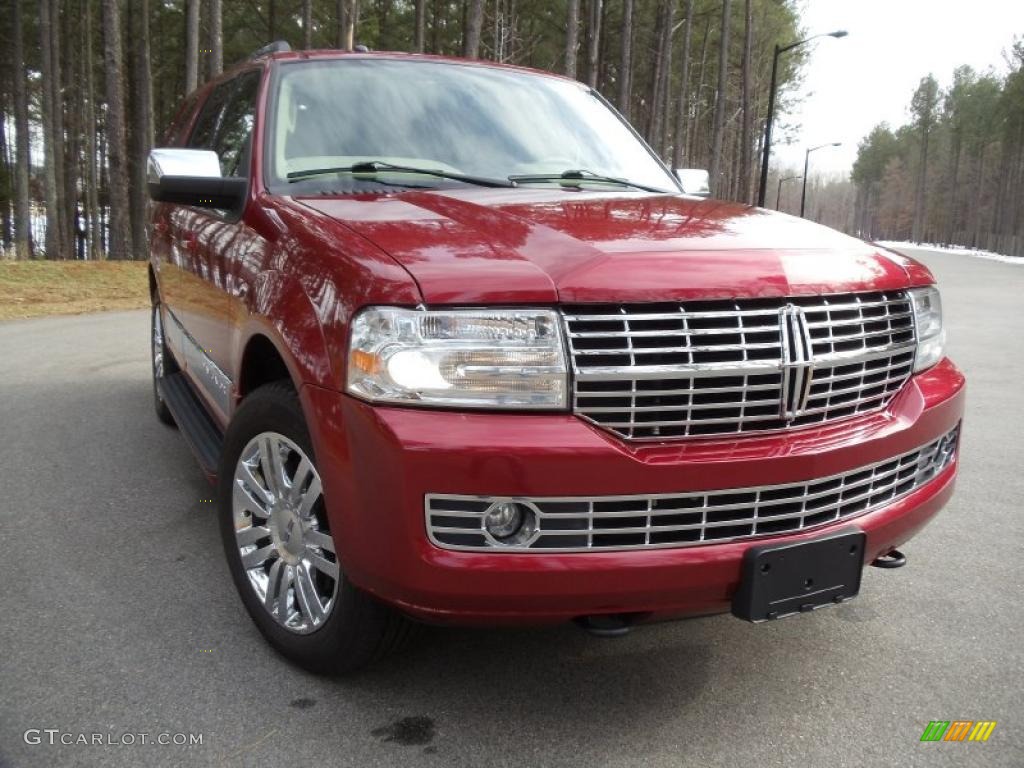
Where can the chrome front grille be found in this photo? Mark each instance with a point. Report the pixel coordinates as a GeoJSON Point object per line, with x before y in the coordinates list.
{"type": "Point", "coordinates": [665, 371]}
{"type": "Point", "coordinates": [576, 524]}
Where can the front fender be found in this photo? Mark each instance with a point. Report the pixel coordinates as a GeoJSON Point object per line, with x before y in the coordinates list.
{"type": "Point", "coordinates": [301, 287]}
{"type": "Point", "coordinates": [281, 311]}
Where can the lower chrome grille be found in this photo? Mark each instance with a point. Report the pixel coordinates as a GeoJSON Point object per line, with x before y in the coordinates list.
{"type": "Point", "coordinates": [666, 371]}
{"type": "Point", "coordinates": [579, 524]}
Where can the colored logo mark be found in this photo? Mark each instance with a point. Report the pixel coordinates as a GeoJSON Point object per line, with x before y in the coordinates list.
{"type": "Point", "coordinates": [958, 730]}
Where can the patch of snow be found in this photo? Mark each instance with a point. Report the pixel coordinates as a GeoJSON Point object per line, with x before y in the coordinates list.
{"type": "Point", "coordinates": [959, 250]}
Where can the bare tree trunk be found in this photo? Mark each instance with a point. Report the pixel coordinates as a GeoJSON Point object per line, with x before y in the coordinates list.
{"type": "Point", "coordinates": [951, 190]}
{"type": "Point", "coordinates": [92, 204]}
{"type": "Point", "coordinates": [696, 134]}
{"type": "Point", "coordinates": [474, 26]}
{"type": "Point", "coordinates": [718, 125]}
{"type": "Point", "coordinates": [23, 247]}
{"type": "Point", "coordinates": [6, 223]}
{"type": "Point", "coordinates": [683, 105]}
{"type": "Point", "coordinates": [626, 62]}
{"type": "Point", "coordinates": [745, 174]}
{"type": "Point", "coordinates": [516, 43]}
{"type": "Point", "coordinates": [307, 24]}
{"type": "Point", "coordinates": [117, 165]}
{"type": "Point", "coordinates": [103, 184]}
{"type": "Point", "coordinates": [660, 79]}
{"type": "Point", "coordinates": [421, 26]}
{"type": "Point", "coordinates": [216, 38]}
{"type": "Point", "coordinates": [498, 33]}
{"type": "Point", "coordinates": [73, 142]}
{"type": "Point", "coordinates": [435, 26]}
{"type": "Point", "coordinates": [976, 218]}
{"type": "Point", "coordinates": [657, 62]}
{"type": "Point", "coordinates": [506, 22]}
{"type": "Point", "coordinates": [383, 14]}
{"type": "Point", "coordinates": [1015, 213]}
{"type": "Point", "coordinates": [593, 41]}
{"type": "Point", "coordinates": [191, 44]}
{"type": "Point", "coordinates": [142, 124]}
{"type": "Point", "coordinates": [665, 129]}
{"type": "Point", "coordinates": [919, 198]}
{"type": "Point", "coordinates": [53, 227]}
{"type": "Point", "coordinates": [350, 24]}
{"type": "Point", "coordinates": [271, 19]}
{"type": "Point", "coordinates": [734, 134]}
{"type": "Point", "coordinates": [572, 36]}
{"type": "Point", "coordinates": [57, 88]}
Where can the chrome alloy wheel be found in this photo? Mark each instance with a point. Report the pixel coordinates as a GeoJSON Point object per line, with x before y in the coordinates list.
{"type": "Point", "coordinates": [281, 531]}
{"type": "Point", "coordinates": [158, 344]}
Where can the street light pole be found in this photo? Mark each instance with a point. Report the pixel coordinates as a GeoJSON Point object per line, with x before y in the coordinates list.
{"type": "Point", "coordinates": [762, 189]}
{"type": "Point", "coordinates": [807, 159]}
{"type": "Point", "coordinates": [778, 192]}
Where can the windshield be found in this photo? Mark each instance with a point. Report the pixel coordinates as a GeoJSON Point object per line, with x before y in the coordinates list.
{"type": "Point", "coordinates": [469, 120]}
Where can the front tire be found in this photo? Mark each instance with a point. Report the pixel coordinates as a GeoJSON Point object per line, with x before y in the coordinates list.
{"type": "Point", "coordinates": [280, 548]}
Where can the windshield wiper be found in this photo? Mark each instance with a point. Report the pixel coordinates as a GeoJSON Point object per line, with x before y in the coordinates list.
{"type": "Point", "coordinates": [375, 166]}
{"type": "Point", "coordinates": [582, 175]}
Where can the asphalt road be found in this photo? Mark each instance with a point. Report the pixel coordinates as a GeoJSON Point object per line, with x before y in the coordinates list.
{"type": "Point", "coordinates": [117, 614]}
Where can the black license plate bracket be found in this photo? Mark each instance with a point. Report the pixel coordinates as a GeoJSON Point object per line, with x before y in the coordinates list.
{"type": "Point", "coordinates": [780, 580]}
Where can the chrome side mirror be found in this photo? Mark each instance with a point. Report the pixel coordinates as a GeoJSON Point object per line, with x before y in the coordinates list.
{"type": "Point", "coordinates": [182, 162]}
{"type": "Point", "coordinates": [694, 181]}
{"type": "Point", "coordinates": [192, 177]}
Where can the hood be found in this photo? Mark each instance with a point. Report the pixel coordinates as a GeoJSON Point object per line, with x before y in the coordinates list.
{"type": "Point", "coordinates": [476, 246]}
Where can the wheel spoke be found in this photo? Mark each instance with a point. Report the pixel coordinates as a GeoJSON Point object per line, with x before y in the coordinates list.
{"type": "Point", "coordinates": [253, 485]}
{"type": "Point", "coordinates": [259, 556]}
{"type": "Point", "coordinates": [298, 480]}
{"type": "Point", "coordinates": [251, 535]}
{"type": "Point", "coordinates": [270, 461]}
{"type": "Point", "coordinates": [309, 498]}
{"type": "Point", "coordinates": [243, 501]}
{"type": "Point", "coordinates": [320, 539]}
{"type": "Point", "coordinates": [308, 599]}
{"type": "Point", "coordinates": [322, 564]}
{"type": "Point", "coordinates": [287, 573]}
{"type": "Point", "coordinates": [273, 585]}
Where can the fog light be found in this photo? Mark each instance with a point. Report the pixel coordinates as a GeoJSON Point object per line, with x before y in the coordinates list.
{"type": "Point", "coordinates": [510, 523]}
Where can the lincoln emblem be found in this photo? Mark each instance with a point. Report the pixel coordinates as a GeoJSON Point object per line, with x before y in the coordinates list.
{"type": "Point", "coordinates": [797, 363]}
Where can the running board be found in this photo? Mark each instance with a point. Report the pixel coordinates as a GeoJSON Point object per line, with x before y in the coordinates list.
{"type": "Point", "coordinates": [200, 431]}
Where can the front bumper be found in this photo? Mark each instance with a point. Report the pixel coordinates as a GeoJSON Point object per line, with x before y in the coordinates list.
{"type": "Point", "coordinates": [378, 464]}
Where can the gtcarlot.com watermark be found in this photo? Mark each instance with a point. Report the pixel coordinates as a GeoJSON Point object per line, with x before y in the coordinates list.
{"type": "Point", "coordinates": [55, 736]}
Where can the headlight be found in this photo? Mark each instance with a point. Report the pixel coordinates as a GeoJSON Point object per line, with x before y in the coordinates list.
{"type": "Point", "coordinates": [931, 337]}
{"type": "Point", "coordinates": [501, 358]}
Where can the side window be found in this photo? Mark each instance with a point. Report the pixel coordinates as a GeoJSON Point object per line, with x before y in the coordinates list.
{"type": "Point", "coordinates": [235, 133]}
{"type": "Point", "coordinates": [205, 131]}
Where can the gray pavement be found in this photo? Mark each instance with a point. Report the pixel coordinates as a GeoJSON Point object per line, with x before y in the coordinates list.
{"type": "Point", "coordinates": [117, 614]}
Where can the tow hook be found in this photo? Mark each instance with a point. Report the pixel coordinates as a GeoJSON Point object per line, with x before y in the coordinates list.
{"type": "Point", "coordinates": [894, 559]}
{"type": "Point", "coordinates": [606, 625]}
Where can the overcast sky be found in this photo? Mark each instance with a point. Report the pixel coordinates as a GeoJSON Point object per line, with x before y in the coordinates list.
{"type": "Point", "coordinates": [857, 81]}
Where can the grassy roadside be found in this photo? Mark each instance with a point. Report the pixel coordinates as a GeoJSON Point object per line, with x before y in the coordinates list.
{"type": "Point", "coordinates": [36, 288]}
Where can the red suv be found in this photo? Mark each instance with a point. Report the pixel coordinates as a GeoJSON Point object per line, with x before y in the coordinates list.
{"type": "Point", "coordinates": [456, 346]}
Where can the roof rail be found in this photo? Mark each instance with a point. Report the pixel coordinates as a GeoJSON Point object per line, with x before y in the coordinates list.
{"type": "Point", "coordinates": [278, 46]}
